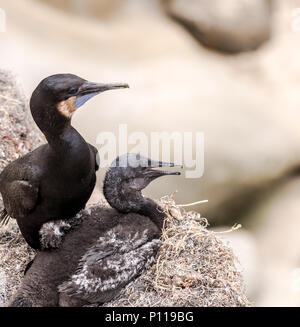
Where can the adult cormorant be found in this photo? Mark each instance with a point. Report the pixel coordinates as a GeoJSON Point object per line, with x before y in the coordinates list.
{"type": "Point", "coordinates": [56, 180]}
{"type": "Point", "coordinates": [106, 248]}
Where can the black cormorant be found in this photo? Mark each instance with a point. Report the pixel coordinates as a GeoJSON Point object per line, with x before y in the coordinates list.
{"type": "Point", "coordinates": [106, 249]}
{"type": "Point", "coordinates": [56, 180]}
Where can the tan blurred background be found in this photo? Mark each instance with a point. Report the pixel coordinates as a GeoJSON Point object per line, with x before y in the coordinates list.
{"type": "Point", "coordinates": [230, 69]}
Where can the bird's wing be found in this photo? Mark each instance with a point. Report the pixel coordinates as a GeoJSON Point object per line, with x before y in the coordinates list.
{"type": "Point", "coordinates": [95, 153]}
{"type": "Point", "coordinates": [19, 184]}
{"type": "Point", "coordinates": [19, 198]}
{"type": "Point", "coordinates": [113, 262]}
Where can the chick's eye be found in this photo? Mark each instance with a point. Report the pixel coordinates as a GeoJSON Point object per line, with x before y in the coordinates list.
{"type": "Point", "coordinates": [74, 91]}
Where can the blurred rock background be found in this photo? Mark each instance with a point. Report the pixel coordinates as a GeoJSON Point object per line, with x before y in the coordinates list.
{"type": "Point", "coordinates": [230, 69]}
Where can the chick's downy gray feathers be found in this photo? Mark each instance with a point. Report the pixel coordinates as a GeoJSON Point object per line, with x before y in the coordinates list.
{"type": "Point", "coordinates": [115, 260]}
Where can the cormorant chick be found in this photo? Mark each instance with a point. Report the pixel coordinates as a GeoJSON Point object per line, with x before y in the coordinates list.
{"type": "Point", "coordinates": [107, 249]}
{"type": "Point", "coordinates": [56, 180]}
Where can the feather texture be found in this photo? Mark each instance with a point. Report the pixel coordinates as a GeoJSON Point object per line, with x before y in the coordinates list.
{"type": "Point", "coordinates": [115, 260]}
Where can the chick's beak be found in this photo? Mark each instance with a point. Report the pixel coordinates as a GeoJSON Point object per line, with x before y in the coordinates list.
{"type": "Point", "coordinates": [154, 173]}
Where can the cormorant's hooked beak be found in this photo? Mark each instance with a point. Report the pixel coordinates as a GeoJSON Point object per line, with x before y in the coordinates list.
{"type": "Point", "coordinates": [154, 173]}
{"type": "Point", "coordinates": [89, 87]}
{"type": "Point", "coordinates": [88, 90]}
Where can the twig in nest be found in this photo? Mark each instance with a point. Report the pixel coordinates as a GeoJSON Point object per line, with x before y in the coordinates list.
{"type": "Point", "coordinates": [10, 99]}
{"type": "Point", "coordinates": [232, 229]}
{"type": "Point", "coordinates": [172, 194]}
{"type": "Point", "coordinates": [191, 204]}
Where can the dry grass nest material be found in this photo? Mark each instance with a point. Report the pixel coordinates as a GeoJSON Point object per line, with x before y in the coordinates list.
{"type": "Point", "coordinates": [18, 133]}
{"type": "Point", "coordinates": [194, 267]}
{"type": "Point", "coordinates": [18, 136]}
{"type": "Point", "coordinates": [14, 257]}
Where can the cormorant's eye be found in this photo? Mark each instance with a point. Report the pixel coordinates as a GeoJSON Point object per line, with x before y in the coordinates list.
{"type": "Point", "coordinates": [74, 90]}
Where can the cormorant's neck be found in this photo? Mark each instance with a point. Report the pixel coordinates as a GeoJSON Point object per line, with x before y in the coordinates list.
{"type": "Point", "coordinates": [154, 211]}
{"type": "Point", "coordinates": [51, 122]}
{"type": "Point", "coordinates": [62, 136]}
{"type": "Point", "coordinates": [64, 139]}
{"type": "Point", "coordinates": [126, 202]}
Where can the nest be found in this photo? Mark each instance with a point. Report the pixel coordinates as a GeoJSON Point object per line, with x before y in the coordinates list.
{"type": "Point", "coordinates": [194, 267]}
{"type": "Point", "coordinates": [18, 133]}
{"type": "Point", "coordinates": [15, 254]}
{"type": "Point", "coordinates": [18, 136]}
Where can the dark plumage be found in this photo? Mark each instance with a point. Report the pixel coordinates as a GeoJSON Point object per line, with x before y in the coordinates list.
{"type": "Point", "coordinates": [56, 180]}
{"type": "Point", "coordinates": [106, 249]}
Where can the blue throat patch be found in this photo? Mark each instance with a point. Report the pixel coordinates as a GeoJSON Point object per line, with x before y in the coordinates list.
{"type": "Point", "coordinates": [81, 100]}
